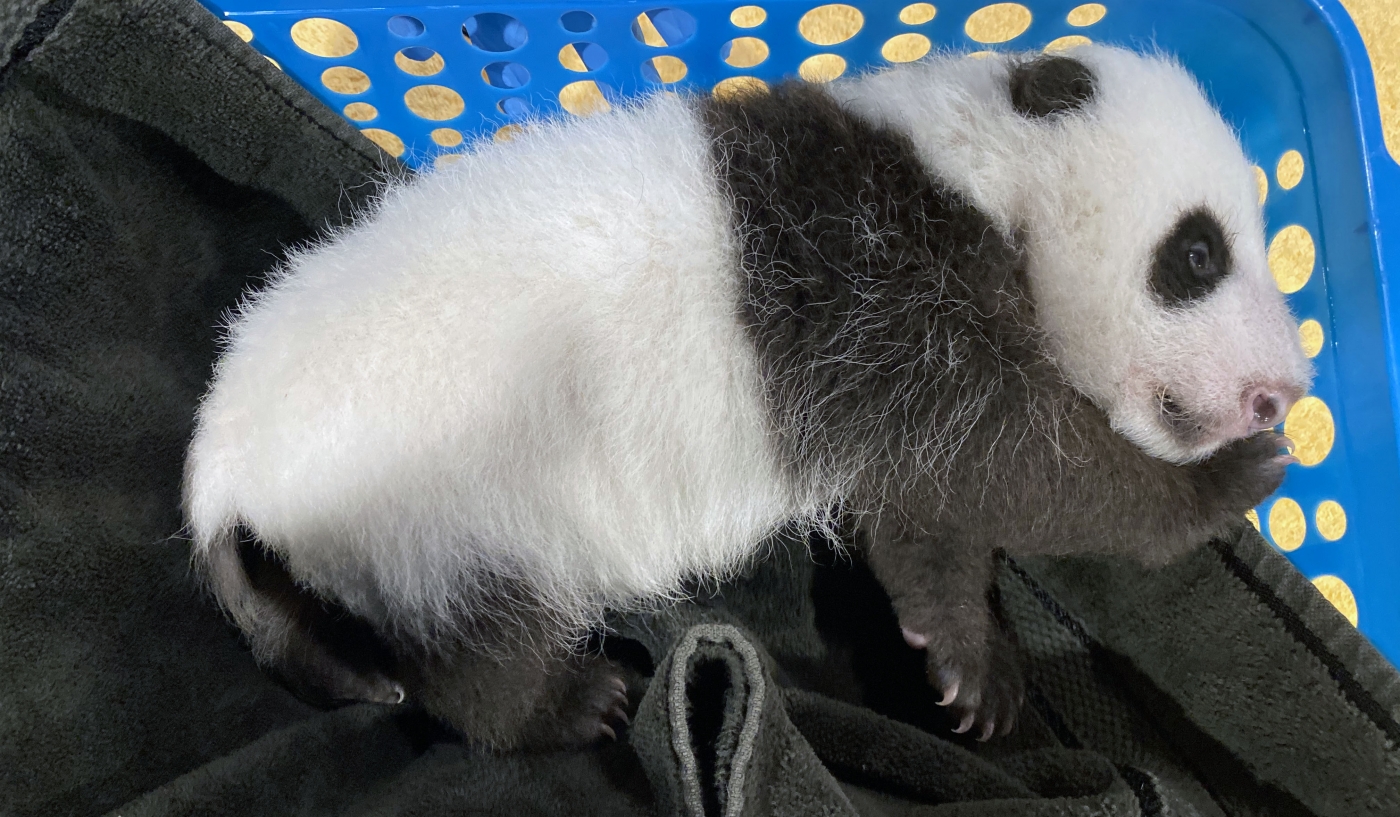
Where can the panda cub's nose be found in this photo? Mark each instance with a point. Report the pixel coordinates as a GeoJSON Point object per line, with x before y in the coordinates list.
{"type": "Point", "coordinates": [1265, 408]}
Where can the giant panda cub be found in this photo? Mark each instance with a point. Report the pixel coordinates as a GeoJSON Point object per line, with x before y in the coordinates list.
{"type": "Point", "coordinates": [1019, 302]}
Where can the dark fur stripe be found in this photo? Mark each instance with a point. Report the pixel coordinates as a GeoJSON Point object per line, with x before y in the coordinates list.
{"type": "Point", "coordinates": [879, 300]}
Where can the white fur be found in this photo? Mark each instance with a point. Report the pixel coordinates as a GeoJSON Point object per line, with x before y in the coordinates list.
{"type": "Point", "coordinates": [530, 364]}
{"type": "Point", "coordinates": [1092, 194]}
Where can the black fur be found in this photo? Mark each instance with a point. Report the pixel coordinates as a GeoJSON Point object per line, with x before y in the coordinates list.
{"type": "Point", "coordinates": [1049, 86]}
{"type": "Point", "coordinates": [899, 355]}
{"type": "Point", "coordinates": [1191, 261]}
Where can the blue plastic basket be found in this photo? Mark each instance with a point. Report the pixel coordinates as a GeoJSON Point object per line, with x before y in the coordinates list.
{"type": "Point", "coordinates": [1291, 75]}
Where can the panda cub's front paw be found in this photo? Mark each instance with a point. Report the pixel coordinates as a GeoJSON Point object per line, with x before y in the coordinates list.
{"type": "Point", "coordinates": [1246, 472]}
{"type": "Point", "coordinates": [982, 687]}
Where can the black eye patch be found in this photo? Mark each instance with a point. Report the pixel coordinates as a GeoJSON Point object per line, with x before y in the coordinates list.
{"type": "Point", "coordinates": [1191, 261]}
{"type": "Point", "coordinates": [1048, 86]}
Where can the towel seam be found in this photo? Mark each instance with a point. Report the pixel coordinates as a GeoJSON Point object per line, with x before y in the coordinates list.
{"type": "Point", "coordinates": [1351, 689]}
{"type": "Point", "coordinates": [34, 34]}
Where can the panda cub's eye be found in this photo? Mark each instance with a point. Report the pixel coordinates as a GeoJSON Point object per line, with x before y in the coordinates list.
{"type": "Point", "coordinates": [1191, 260]}
{"type": "Point", "coordinates": [1198, 256]}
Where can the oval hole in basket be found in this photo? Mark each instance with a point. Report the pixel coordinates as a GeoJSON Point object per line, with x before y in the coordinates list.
{"type": "Point", "coordinates": [998, 23]}
{"type": "Point", "coordinates": [343, 79]}
{"type": "Point", "coordinates": [584, 98]}
{"type": "Point", "coordinates": [419, 61]}
{"type": "Point", "coordinates": [664, 70]}
{"type": "Point", "coordinates": [387, 140]}
{"type": "Point", "coordinates": [514, 106]}
{"type": "Point", "coordinates": [506, 75]}
{"type": "Point", "coordinates": [822, 68]}
{"type": "Point", "coordinates": [402, 25]}
{"type": "Point", "coordinates": [748, 16]}
{"type": "Point", "coordinates": [916, 14]}
{"type": "Point", "coordinates": [360, 111]}
{"type": "Point", "coordinates": [577, 22]}
{"type": "Point", "coordinates": [494, 32]}
{"type": "Point", "coordinates": [663, 27]}
{"type": "Point", "coordinates": [830, 24]}
{"type": "Point", "coordinates": [446, 137]}
{"type": "Point", "coordinates": [435, 102]}
{"type": "Point", "coordinates": [583, 56]}
{"type": "Point", "coordinates": [744, 52]}
{"type": "Point", "coordinates": [324, 37]}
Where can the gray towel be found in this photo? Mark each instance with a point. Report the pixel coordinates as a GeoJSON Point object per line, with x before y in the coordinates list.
{"type": "Point", "coordinates": [152, 167]}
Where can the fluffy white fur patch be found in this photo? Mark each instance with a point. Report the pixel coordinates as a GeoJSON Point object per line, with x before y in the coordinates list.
{"type": "Point", "coordinates": [527, 366]}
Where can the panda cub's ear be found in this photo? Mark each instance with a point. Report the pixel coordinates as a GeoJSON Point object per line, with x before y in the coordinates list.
{"type": "Point", "coordinates": [1050, 86]}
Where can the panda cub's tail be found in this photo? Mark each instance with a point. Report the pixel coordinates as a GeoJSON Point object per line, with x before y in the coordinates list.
{"type": "Point", "coordinates": [322, 654]}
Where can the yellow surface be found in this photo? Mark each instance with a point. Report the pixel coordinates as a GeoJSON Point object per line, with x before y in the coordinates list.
{"type": "Point", "coordinates": [1310, 337]}
{"type": "Point", "coordinates": [1379, 24]}
{"type": "Point", "coordinates": [1330, 520]}
{"type": "Point", "coordinates": [736, 86]}
{"type": "Point", "coordinates": [1087, 14]}
{"type": "Point", "coordinates": [569, 58]}
{"type": "Point", "coordinates": [669, 69]}
{"type": "Point", "coordinates": [917, 14]}
{"type": "Point", "coordinates": [1290, 170]}
{"type": "Point", "coordinates": [1262, 180]}
{"type": "Point", "coordinates": [1291, 257]}
{"type": "Point", "coordinates": [1336, 591]}
{"type": "Point", "coordinates": [436, 102]}
{"type": "Point", "coordinates": [1064, 43]}
{"type": "Point", "coordinates": [345, 80]}
{"type": "Point", "coordinates": [583, 98]}
{"type": "Point", "coordinates": [1309, 426]}
{"type": "Point", "coordinates": [447, 137]}
{"type": "Point", "coordinates": [323, 37]}
{"type": "Point", "coordinates": [748, 16]}
{"type": "Point", "coordinates": [830, 24]}
{"type": "Point", "coordinates": [419, 68]}
{"type": "Point", "coordinates": [998, 23]}
{"type": "Point", "coordinates": [822, 68]}
{"type": "Point", "coordinates": [905, 47]}
{"type": "Point", "coordinates": [1287, 525]}
{"type": "Point", "coordinates": [360, 111]}
{"type": "Point", "coordinates": [746, 52]}
{"type": "Point", "coordinates": [650, 35]}
{"type": "Point", "coordinates": [391, 143]}
{"type": "Point", "coordinates": [244, 33]}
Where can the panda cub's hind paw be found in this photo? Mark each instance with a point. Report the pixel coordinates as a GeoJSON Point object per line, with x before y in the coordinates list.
{"type": "Point", "coordinates": [599, 707]}
{"type": "Point", "coordinates": [982, 689]}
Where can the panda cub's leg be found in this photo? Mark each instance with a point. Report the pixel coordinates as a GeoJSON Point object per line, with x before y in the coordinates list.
{"type": "Point", "coordinates": [941, 594]}
{"type": "Point", "coordinates": [514, 697]}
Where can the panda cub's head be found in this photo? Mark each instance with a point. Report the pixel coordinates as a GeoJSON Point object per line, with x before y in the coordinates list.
{"type": "Point", "coordinates": [1144, 239]}
{"type": "Point", "coordinates": [1147, 259]}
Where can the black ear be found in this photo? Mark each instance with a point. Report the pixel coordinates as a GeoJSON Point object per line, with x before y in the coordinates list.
{"type": "Point", "coordinates": [1050, 85]}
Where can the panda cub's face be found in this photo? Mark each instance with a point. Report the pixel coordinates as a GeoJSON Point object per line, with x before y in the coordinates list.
{"type": "Point", "coordinates": [1146, 253]}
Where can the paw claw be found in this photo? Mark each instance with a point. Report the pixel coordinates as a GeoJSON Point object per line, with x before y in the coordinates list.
{"type": "Point", "coordinates": [966, 724]}
{"type": "Point", "coordinates": [918, 641]}
{"type": "Point", "coordinates": [987, 732]}
{"type": "Point", "coordinates": [604, 729]}
{"type": "Point", "coordinates": [950, 694]}
{"type": "Point", "coordinates": [619, 714]}
{"type": "Point", "coordinates": [620, 684]}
